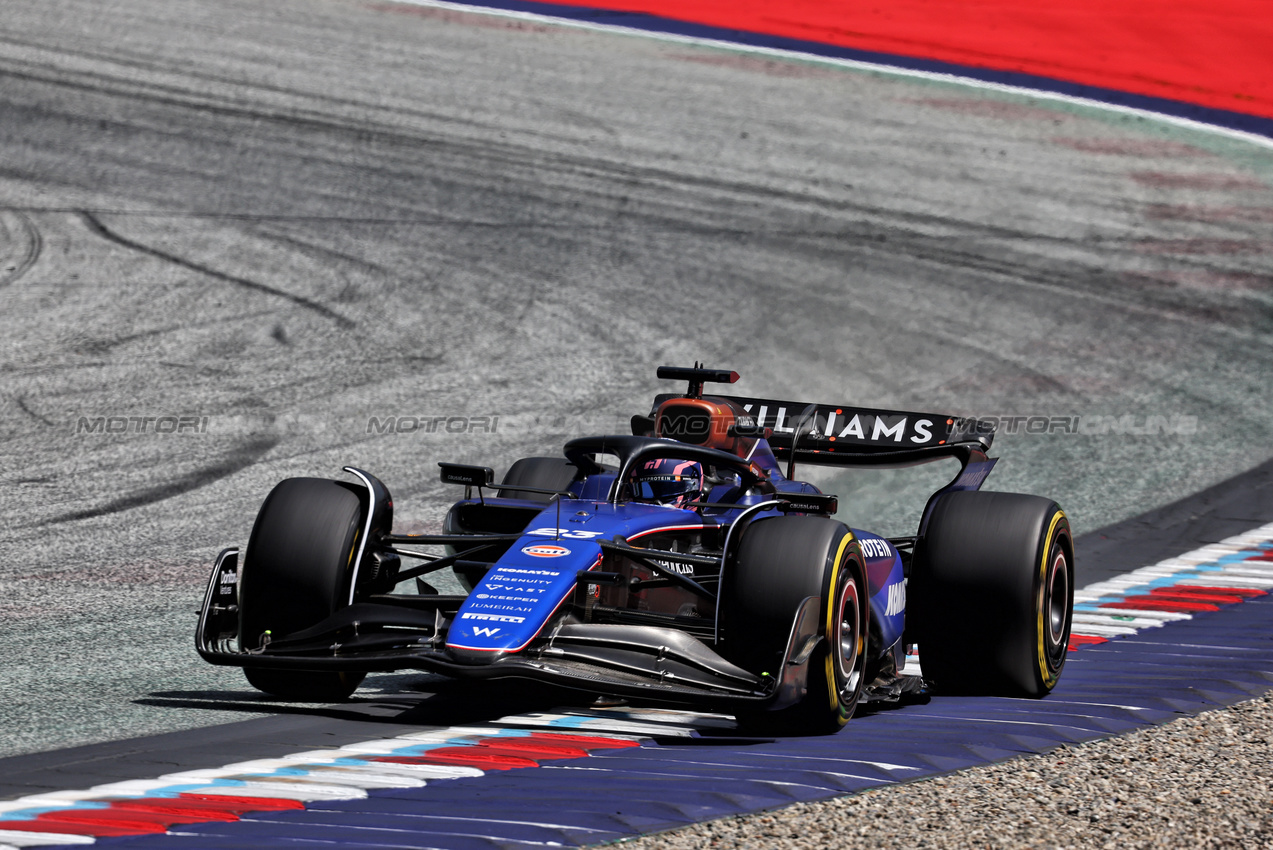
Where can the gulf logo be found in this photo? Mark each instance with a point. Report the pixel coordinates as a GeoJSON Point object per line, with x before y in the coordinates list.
{"type": "Point", "coordinates": [546, 550]}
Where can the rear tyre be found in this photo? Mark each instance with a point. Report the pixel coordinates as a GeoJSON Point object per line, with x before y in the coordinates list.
{"type": "Point", "coordinates": [780, 562]}
{"type": "Point", "coordinates": [993, 594]}
{"type": "Point", "coordinates": [546, 473]}
{"type": "Point", "coordinates": [295, 574]}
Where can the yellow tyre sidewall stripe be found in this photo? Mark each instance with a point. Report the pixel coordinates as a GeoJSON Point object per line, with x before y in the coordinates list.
{"type": "Point", "coordinates": [832, 612]}
{"type": "Point", "coordinates": [1047, 676]}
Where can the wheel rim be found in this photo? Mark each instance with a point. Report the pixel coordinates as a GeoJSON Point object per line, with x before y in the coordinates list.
{"type": "Point", "coordinates": [1058, 598]}
{"type": "Point", "coordinates": [849, 647]}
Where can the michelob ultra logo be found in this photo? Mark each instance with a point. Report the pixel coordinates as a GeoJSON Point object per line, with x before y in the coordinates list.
{"type": "Point", "coordinates": [545, 550]}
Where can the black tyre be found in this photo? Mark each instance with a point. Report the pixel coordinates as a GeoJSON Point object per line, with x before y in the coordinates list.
{"type": "Point", "coordinates": [546, 473]}
{"type": "Point", "coordinates": [296, 573]}
{"type": "Point", "coordinates": [992, 593]}
{"type": "Point", "coordinates": [780, 562]}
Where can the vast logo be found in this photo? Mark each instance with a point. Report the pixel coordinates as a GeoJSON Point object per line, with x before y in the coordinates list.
{"type": "Point", "coordinates": [545, 550]}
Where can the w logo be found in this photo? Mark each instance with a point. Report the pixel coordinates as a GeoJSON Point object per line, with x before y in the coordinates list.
{"type": "Point", "coordinates": [485, 631]}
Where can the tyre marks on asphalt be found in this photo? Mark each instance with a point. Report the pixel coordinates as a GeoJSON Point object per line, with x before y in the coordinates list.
{"type": "Point", "coordinates": [20, 245]}
{"type": "Point", "coordinates": [95, 224]}
{"type": "Point", "coordinates": [234, 460]}
{"type": "Point", "coordinates": [462, 787]}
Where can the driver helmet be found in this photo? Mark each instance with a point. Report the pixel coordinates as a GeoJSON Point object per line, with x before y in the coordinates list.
{"type": "Point", "coordinates": [670, 482]}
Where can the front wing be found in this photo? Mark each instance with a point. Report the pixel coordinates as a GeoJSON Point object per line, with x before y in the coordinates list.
{"type": "Point", "coordinates": [646, 663]}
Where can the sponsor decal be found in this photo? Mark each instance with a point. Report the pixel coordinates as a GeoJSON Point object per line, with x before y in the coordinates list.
{"type": "Point", "coordinates": [519, 571]}
{"type": "Point", "coordinates": [490, 606]}
{"type": "Point", "coordinates": [683, 569]}
{"type": "Point", "coordinates": [545, 550]}
{"type": "Point", "coordinates": [974, 475]}
{"type": "Point", "coordinates": [568, 533]}
{"type": "Point", "coordinates": [896, 599]}
{"type": "Point", "coordinates": [509, 598]}
{"type": "Point", "coordinates": [516, 579]}
{"type": "Point", "coordinates": [873, 547]}
{"type": "Point", "coordinates": [501, 618]}
{"type": "Point", "coordinates": [838, 424]}
{"type": "Point", "coordinates": [509, 587]}
{"type": "Point", "coordinates": [227, 583]}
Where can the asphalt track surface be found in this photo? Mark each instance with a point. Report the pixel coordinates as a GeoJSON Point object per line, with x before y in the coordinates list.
{"type": "Point", "coordinates": [291, 219]}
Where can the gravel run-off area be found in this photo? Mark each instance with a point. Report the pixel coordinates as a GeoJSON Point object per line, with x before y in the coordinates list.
{"type": "Point", "coordinates": [1203, 781]}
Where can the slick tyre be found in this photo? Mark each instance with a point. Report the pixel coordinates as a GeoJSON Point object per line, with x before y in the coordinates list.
{"type": "Point", "coordinates": [295, 574]}
{"type": "Point", "coordinates": [780, 562]}
{"type": "Point", "coordinates": [545, 473]}
{"type": "Point", "coordinates": [992, 593]}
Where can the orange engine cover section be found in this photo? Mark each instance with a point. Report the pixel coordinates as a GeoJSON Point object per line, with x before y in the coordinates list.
{"type": "Point", "coordinates": [699, 422]}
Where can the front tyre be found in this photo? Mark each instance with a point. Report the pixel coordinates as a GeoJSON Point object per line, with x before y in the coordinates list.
{"type": "Point", "coordinates": [993, 594]}
{"type": "Point", "coordinates": [296, 573]}
{"type": "Point", "coordinates": [780, 562]}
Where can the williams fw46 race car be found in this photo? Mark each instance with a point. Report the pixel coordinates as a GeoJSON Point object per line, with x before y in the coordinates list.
{"type": "Point", "coordinates": [683, 564]}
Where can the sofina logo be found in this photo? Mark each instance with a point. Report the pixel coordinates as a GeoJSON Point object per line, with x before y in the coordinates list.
{"type": "Point", "coordinates": [545, 550]}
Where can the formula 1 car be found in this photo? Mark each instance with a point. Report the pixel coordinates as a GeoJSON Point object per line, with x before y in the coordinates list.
{"type": "Point", "coordinates": [679, 565]}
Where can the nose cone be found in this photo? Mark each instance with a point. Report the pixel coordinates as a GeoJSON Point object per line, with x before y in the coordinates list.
{"type": "Point", "coordinates": [517, 597]}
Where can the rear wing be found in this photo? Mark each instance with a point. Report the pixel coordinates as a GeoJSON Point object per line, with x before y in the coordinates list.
{"type": "Point", "coordinates": [854, 433]}
{"type": "Point", "coordinates": [840, 435]}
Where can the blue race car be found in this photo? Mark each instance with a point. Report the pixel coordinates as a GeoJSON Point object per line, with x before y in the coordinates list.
{"type": "Point", "coordinates": [681, 564]}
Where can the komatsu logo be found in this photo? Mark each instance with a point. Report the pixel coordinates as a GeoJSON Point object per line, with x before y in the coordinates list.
{"type": "Point", "coordinates": [524, 572]}
{"type": "Point", "coordinates": [896, 599]}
